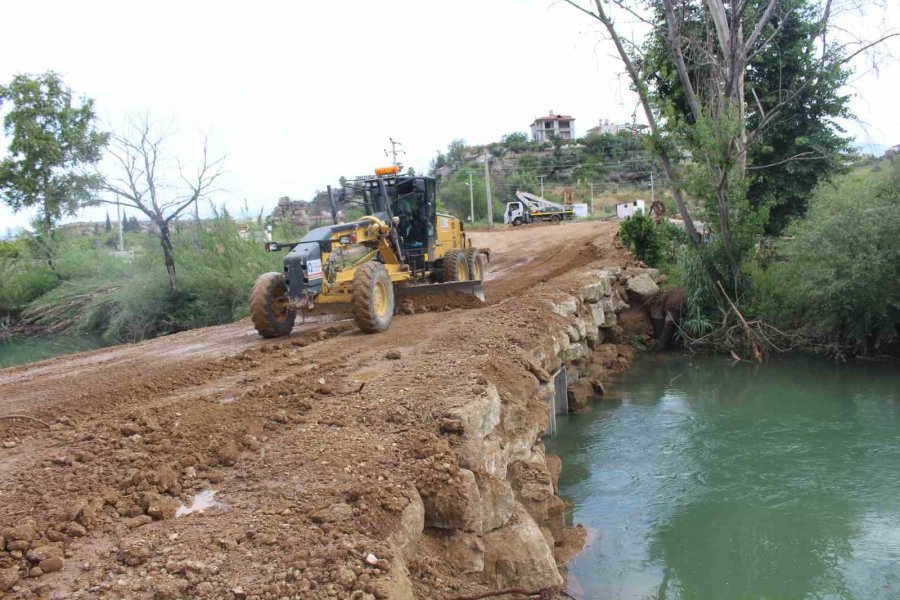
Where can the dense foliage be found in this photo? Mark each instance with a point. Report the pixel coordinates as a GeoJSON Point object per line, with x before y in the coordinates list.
{"type": "Point", "coordinates": [839, 279]}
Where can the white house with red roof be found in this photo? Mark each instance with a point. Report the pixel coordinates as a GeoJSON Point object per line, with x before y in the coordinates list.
{"type": "Point", "coordinates": [561, 126]}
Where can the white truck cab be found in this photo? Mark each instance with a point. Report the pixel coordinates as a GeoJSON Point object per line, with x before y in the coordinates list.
{"type": "Point", "coordinates": [528, 208]}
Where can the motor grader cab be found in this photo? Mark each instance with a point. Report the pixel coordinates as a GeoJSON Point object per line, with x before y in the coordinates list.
{"type": "Point", "coordinates": [400, 245]}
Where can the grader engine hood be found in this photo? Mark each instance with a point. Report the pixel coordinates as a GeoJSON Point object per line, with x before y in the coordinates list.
{"type": "Point", "coordinates": [303, 264]}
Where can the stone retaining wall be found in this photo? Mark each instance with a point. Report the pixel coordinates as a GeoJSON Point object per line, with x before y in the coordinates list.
{"type": "Point", "coordinates": [496, 516]}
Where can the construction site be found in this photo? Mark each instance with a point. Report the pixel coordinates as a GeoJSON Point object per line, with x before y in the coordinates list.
{"type": "Point", "coordinates": [327, 463]}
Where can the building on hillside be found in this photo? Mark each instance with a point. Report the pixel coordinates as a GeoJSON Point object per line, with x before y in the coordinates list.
{"type": "Point", "coordinates": [443, 172]}
{"type": "Point", "coordinates": [543, 129]}
{"type": "Point", "coordinates": [607, 128]}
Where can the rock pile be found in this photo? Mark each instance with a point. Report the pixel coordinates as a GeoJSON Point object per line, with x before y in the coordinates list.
{"type": "Point", "coordinates": [299, 212]}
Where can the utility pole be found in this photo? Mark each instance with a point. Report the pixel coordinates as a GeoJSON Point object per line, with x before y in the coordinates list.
{"type": "Point", "coordinates": [471, 199]}
{"type": "Point", "coordinates": [592, 197]}
{"type": "Point", "coordinates": [119, 220]}
{"type": "Point", "coordinates": [542, 185]}
{"type": "Point", "coordinates": [487, 189]}
{"type": "Point", "coordinates": [393, 152]}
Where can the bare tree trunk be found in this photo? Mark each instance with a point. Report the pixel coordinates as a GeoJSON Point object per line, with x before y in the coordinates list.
{"type": "Point", "coordinates": [660, 149]}
{"type": "Point", "coordinates": [651, 119]}
{"type": "Point", "coordinates": [165, 240]}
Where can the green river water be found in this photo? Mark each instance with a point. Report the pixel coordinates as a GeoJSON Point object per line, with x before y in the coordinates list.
{"type": "Point", "coordinates": [19, 351]}
{"type": "Point", "coordinates": [708, 480]}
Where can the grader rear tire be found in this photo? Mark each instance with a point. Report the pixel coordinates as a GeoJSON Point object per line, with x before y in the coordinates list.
{"type": "Point", "coordinates": [372, 297]}
{"type": "Point", "coordinates": [474, 264]}
{"type": "Point", "coordinates": [455, 268]}
{"type": "Point", "coordinates": [269, 306]}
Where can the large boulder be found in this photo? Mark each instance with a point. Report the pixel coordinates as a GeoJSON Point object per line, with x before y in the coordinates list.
{"type": "Point", "coordinates": [518, 555]}
{"type": "Point", "coordinates": [462, 552]}
{"type": "Point", "coordinates": [564, 306]}
{"type": "Point", "coordinates": [579, 395]}
{"type": "Point", "coordinates": [641, 287]}
{"type": "Point", "coordinates": [452, 504]}
{"type": "Point", "coordinates": [497, 501]}
{"type": "Point", "coordinates": [412, 522]}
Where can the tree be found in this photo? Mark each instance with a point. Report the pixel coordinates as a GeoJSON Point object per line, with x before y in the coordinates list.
{"type": "Point", "coordinates": [141, 181]}
{"type": "Point", "coordinates": [108, 226]}
{"type": "Point", "coordinates": [516, 142]}
{"type": "Point", "coordinates": [803, 144]}
{"type": "Point", "coordinates": [711, 45]}
{"type": "Point", "coordinates": [53, 144]}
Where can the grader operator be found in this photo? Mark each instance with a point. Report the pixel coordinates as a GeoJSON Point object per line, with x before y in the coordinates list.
{"type": "Point", "coordinates": [400, 245]}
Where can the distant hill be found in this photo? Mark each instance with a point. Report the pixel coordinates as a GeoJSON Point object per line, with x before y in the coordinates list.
{"type": "Point", "coordinates": [871, 149]}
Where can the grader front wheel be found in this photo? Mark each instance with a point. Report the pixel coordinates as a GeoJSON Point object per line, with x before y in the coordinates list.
{"type": "Point", "coordinates": [372, 297]}
{"type": "Point", "coordinates": [455, 267]}
{"type": "Point", "coordinates": [269, 306]}
{"type": "Point", "coordinates": [474, 264]}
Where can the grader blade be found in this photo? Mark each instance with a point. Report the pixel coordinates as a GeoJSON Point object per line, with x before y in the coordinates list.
{"type": "Point", "coordinates": [471, 288]}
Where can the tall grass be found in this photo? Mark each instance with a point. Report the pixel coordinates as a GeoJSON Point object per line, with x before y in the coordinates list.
{"type": "Point", "coordinates": [128, 300]}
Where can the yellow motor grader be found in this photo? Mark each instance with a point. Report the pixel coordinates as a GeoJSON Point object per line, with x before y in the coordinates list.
{"type": "Point", "coordinates": [400, 245]}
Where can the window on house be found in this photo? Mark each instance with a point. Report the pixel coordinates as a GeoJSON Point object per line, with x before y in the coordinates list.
{"type": "Point", "coordinates": [563, 124]}
{"type": "Point", "coordinates": [548, 124]}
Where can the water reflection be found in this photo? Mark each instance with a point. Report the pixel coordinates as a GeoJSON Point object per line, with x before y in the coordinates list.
{"type": "Point", "coordinates": [710, 480]}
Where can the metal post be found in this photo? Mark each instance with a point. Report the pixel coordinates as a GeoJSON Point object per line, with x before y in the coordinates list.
{"type": "Point", "coordinates": [471, 199]}
{"type": "Point", "coordinates": [592, 197]}
{"type": "Point", "coordinates": [119, 220]}
{"type": "Point", "coordinates": [542, 185]}
{"type": "Point", "coordinates": [487, 189]}
{"type": "Point", "coordinates": [652, 196]}
{"type": "Point", "coordinates": [394, 152]}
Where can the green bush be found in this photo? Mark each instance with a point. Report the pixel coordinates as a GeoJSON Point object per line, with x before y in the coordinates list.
{"type": "Point", "coordinates": [840, 277]}
{"type": "Point", "coordinates": [641, 234]}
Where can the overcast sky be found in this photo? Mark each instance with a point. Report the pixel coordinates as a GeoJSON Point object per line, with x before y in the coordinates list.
{"type": "Point", "coordinates": [297, 94]}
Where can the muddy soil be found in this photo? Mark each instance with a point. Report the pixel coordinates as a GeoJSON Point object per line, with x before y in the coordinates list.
{"type": "Point", "coordinates": [312, 443]}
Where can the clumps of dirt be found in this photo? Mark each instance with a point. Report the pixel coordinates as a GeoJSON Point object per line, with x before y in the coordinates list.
{"type": "Point", "coordinates": [437, 301]}
{"type": "Point", "coordinates": [637, 328]}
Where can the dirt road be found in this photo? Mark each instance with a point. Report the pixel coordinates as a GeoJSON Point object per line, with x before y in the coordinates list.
{"type": "Point", "coordinates": [311, 444]}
